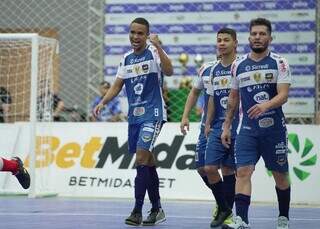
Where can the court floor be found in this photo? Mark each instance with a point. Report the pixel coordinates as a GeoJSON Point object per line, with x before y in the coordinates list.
{"type": "Point", "coordinates": [64, 213]}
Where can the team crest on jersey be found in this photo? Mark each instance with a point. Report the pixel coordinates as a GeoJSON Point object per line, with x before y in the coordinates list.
{"type": "Point", "coordinates": [257, 77]}
{"type": "Point", "coordinates": [282, 159]}
{"type": "Point", "coordinates": [269, 77]}
{"type": "Point", "coordinates": [137, 69]}
{"type": "Point", "coordinates": [224, 82]}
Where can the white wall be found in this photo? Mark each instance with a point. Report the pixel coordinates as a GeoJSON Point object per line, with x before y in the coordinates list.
{"type": "Point", "coordinates": [75, 155]}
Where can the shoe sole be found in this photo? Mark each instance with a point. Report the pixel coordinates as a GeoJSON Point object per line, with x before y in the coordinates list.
{"type": "Point", "coordinates": [152, 224]}
{"type": "Point", "coordinates": [131, 223]}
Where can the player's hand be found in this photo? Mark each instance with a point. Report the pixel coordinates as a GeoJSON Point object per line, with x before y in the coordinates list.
{"type": "Point", "coordinates": [154, 39]}
{"type": "Point", "coordinates": [207, 130]}
{"type": "Point", "coordinates": [257, 110]}
{"type": "Point", "coordinates": [184, 126]}
{"type": "Point", "coordinates": [97, 109]}
{"type": "Point", "coordinates": [226, 137]}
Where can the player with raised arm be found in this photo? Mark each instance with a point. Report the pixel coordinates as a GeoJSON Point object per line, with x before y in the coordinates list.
{"type": "Point", "coordinates": [208, 156]}
{"type": "Point", "coordinates": [141, 71]}
{"type": "Point", "coordinates": [260, 81]}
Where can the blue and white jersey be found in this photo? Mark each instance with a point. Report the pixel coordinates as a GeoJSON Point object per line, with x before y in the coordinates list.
{"type": "Point", "coordinates": [221, 81]}
{"type": "Point", "coordinates": [257, 83]}
{"type": "Point", "coordinates": [203, 82]}
{"type": "Point", "coordinates": [143, 81]}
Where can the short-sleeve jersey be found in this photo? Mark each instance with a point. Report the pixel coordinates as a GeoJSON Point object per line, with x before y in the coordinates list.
{"type": "Point", "coordinates": [203, 82]}
{"type": "Point", "coordinates": [143, 81]}
{"type": "Point", "coordinates": [257, 83]}
{"type": "Point", "coordinates": [221, 81]}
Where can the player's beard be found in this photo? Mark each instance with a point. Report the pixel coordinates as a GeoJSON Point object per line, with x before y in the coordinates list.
{"type": "Point", "coordinates": [258, 50]}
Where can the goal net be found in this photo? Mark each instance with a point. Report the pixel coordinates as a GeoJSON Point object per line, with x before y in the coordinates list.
{"type": "Point", "coordinates": [26, 84]}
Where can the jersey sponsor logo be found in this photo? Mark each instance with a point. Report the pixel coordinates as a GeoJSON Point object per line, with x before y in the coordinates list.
{"type": "Point", "coordinates": [281, 145]}
{"type": "Point", "coordinates": [248, 68]}
{"type": "Point", "coordinates": [261, 97]}
{"type": "Point", "coordinates": [282, 159]}
{"type": "Point", "coordinates": [257, 77]}
{"type": "Point", "coordinates": [282, 65]}
{"type": "Point", "coordinates": [146, 137]}
{"type": "Point", "coordinates": [258, 87]}
{"type": "Point", "coordinates": [148, 129]}
{"type": "Point", "coordinates": [222, 72]}
{"type": "Point", "coordinates": [224, 102]}
{"type": "Point", "coordinates": [138, 111]}
{"type": "Point", "coordinates": [244, 79]}
{"type": "Point", "coordinates": [138, 88]}
{"type": "Point", "coordinates": [259, 67]}
{"type": "Point", "coordinates": [145, 68]}
{"type": "Point", "coordinates": [269, 77]}
{"type": "Point", "coordinates": [266, 122]}
{"type": "Point", "coordinates": [281, 151]}
{"type": "Point", "coordinates": [137, 60]}
{"type": "Point", "coordinates": [223, 91]}
{"type": "Point", "coordinates": [129, 70]}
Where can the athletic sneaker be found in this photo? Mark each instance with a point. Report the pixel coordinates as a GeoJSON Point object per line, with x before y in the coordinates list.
{"type": "Point", "coordinates": [134, 219]}
{"type": "Point", "coordinates": [221, 217]}
{"type": "Point", "coordinates": [236, 224]}
{"type": "Point", "coordinates": [155, 216]}
{"type": "Point", "coordinates": [283, 222]}
{"type": "Point", "coordinates": [228, 220]}
{"type": "Point", "coordinates": [22, 175]}
{"type": "Point", "coordinates": [215, 211]}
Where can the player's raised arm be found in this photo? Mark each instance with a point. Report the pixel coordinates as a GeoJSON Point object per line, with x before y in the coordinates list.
{"type": "Point", "coordinates": [191, 101]}
{"type": "Point", "coordinates": [166, 65]}
{"type": "Point", "coordinates": [112, 92]}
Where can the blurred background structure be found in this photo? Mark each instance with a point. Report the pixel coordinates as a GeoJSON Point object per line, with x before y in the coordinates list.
{"type": "Point", "coordinates": [92, 37]}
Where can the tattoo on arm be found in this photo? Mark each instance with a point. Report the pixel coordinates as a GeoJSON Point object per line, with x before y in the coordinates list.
{"type": "Point", "coordinates": [231, 108]}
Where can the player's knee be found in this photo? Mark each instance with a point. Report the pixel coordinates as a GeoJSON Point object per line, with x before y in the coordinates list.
{"type": "Point", "coordinates": [281, 179]}
{"type": "Point", "coordinates": [142, 159]}
{"type": "Point", "coordinates": [244, 173]}
{"type": "Point", "coordinates": [226, 171]}
{"type": "Point", "coordinates": [201, 171]}
{"type": "Point", "coordinates": [211, 170]}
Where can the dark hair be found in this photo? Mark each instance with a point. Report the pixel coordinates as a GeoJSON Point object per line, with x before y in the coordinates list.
{"type": "Point", "coordinates": [229, 31]}
{"type": "Point", "coordinates": [261, 21]}
{"type": "Point", "coordinates": [141, 21]}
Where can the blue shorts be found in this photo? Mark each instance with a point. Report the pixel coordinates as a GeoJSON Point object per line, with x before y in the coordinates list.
{"type": "Point", "coordinates": [217, 154]}
{"type": "Point", "coordinates": [201, 149]}
{"type": "Point", "coordinates": [273, 148]}
{"type": "Point", "coordinates": [143, 135]}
